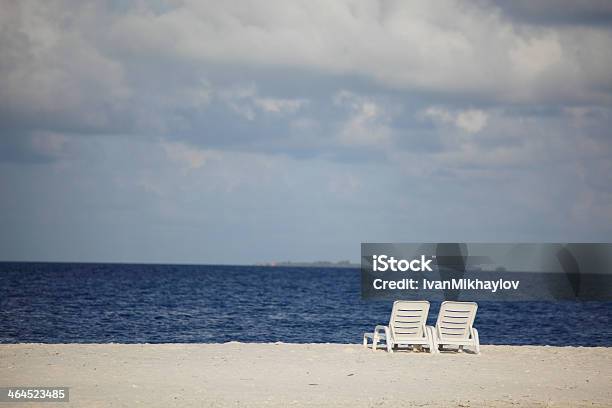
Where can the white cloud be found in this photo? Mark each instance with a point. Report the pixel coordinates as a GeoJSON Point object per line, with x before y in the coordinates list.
{"type": "Point", "coordinates": [470, 121]}
{"type": "Point", "coordinates": [188, 156]}
{"type": "Point", "coordinates": [534, 56]}
{"type": "Point", "coordinates": [439, 114]}
{"type": "Point", "coordinates": [280, 105]}
{"type": "Point", "coordinates": [239, 99]}
{"type": "Point", "coordinates": [246, 101]}
{"type": "Point", "coordinates": [367, 123]}
{"type": "Point", "coordinates": [449, 46]}
{"type": "Point", "coordinates": [52, 68]}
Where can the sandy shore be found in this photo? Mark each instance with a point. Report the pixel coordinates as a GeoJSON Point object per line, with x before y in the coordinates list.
{"type": "Point", "coordinates": [278, 375]}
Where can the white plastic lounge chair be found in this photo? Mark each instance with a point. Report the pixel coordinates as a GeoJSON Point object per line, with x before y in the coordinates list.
{"type": "Point", "coordinates": [454, 326]}
{"type": "Point", "coordinates": [407, 326]}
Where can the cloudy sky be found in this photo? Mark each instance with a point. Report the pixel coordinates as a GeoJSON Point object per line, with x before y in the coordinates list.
{"type": "Point", "coordinates": [238, 132]}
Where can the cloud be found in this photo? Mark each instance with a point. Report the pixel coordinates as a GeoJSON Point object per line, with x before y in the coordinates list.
{"type": "Point", "coordinates": [551, 12]}
{"type": "Point", "coordinates": [169, 125]}
{"type": "Point", "coordinates": [240, 100]}
{"type": "Point", "coordinates": [230, 76]}
{"type": "Point", "coordinates": [470, 121]}
{"type": "Point", "coordinates": [245, 100]}
{"type": "Point", "coordinates": [191, 157]}
{"type": "Point", "coordinates": [280, 105]}
{"type": "Point", "coordinates": [50, 72]}
{"type": "Point", "coordinates": [535, 56]}
{"type": "Point", "coordinates": [414, 45]}
{"type": "Point", "coordinates": [368, 121]}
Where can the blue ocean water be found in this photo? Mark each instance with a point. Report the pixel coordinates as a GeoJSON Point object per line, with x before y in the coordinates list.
{"type": "Point", "coordinates": [129, 303]}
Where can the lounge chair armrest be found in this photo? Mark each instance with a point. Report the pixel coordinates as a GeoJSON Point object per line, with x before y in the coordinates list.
{"type": "Point", "coordinates": [380, 328]}
{"type": "Point", "coordinates": [476, 339]}
{"type": "Point", "coordinates": [473, 332]}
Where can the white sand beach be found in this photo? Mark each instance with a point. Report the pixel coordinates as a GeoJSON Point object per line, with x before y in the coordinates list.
{"type": "Point", "coordinates": [313, 375]}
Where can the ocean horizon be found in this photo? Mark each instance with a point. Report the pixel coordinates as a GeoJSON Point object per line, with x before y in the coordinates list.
{"type": "Point", "coordinates": [46, 302]}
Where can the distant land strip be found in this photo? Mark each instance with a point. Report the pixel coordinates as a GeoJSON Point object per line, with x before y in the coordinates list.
{"type": "Point", "coordinates": [315, 264]}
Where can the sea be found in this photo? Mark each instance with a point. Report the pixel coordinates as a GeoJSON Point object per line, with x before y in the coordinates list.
{"type": "Point", "coordinates": [142, 303]}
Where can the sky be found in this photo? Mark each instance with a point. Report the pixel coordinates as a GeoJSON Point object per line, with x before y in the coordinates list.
{"type": "Point", "coordinates": [241, 132]}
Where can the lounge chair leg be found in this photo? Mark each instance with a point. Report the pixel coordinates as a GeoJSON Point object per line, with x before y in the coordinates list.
{"type": "Point", "coordinates": [460, 349]}
{"type": "Point", "coordinates": [476, 341]}
{"type": "Point", "coordinates": [365, 342]}
{"type": "Point", "coordinates": [432, 340]}
{"type": "Point", "coordinates": [374, 343]}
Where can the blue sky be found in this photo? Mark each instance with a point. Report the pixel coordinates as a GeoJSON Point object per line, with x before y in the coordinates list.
{"type": "Point", "coordinates": [239, 132]}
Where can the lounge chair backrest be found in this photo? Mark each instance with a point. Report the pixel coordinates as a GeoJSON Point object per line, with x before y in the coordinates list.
{"type": "Point", "coordinates": [455, 320]}
{"type": "Point", "coordinates": [408, 319]}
